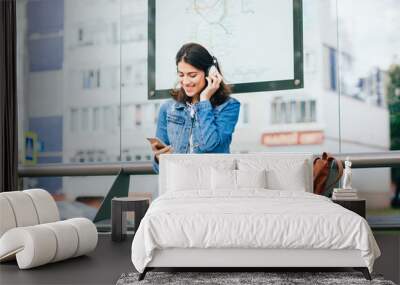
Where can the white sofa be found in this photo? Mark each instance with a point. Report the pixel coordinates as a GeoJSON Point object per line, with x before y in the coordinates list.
{"type": "Point", "coordinates": [31, 233]}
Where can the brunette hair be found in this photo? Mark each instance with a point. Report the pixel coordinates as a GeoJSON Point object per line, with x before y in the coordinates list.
{"type": "Point", "coordinates": [196, 55]}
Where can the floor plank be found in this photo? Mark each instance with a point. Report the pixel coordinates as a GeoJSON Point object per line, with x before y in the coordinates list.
{"type": "Point", "coordinates": [103, 266]}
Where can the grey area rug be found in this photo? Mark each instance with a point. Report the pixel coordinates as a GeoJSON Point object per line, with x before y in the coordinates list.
{"type": "Point", "coordinates": [226, 278]}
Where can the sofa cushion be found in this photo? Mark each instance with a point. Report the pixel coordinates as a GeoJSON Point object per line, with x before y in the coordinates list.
{"type": "Point", "coordinates": [23, 208]}
{"type": "Point", "coordinates": [40, 244]}
{"type": "Point", "coordinates": [32, 246]}
{"type": "Point", "coordinates": [45, 206]}
{"type": "Point", "coordinates": [67, 240]}
{"type": "Point", "coordinates": [7, 218]}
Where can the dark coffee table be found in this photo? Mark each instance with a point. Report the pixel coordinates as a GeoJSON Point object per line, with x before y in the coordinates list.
{"type": "Point", "coordinates": [119, 206]}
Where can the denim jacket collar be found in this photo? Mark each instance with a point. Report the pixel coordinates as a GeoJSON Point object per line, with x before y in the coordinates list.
{"type": "Point", "coordinates": [179, 105]}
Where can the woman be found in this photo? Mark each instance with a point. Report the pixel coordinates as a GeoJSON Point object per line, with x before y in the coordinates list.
{"type": "Point", "coordinates": [201, 117]}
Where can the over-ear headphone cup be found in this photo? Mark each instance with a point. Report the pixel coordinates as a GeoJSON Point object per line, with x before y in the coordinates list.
{"type": "Point", "coordinates": [212, 70]}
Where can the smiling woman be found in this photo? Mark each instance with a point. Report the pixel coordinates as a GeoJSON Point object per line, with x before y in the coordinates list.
{"type": "Point", "coordinates": [201, 117]}
{"type": "Point", "coordinates": [199, 75]}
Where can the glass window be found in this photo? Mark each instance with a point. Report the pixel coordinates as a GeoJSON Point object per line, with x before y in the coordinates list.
{"type": "Point", "coordinates": [85, 120]}
{"type": "Point", "coordinates": [274, 113]}
{"type": "Point", "coordinates": [148, 116]}
{"type": "Point", "coordinates": [332, 68]}
{"type": "Point", "coordinates": [301, 111]}
{"type": "Point", "coordinates": [313, 114]}
{"type": "Point", "coordinates": [293, 110]}
{"type": "Point", "coordinates": [74, 120]}
{"type": "Point", "coordinates": [96, 119]}
{"type": "Point", "coordinates": [108, 118]}
{"type": "Point", "coordinates": [138, 115]}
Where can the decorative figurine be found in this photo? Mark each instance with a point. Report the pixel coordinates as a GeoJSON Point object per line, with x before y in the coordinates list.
{"type": "Point", "coordinates": [347, 174]}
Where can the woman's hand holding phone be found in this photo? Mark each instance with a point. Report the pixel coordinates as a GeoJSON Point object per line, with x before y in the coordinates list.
{"type": "Point", "coordinates": [158, 147]}
{"type": "Point", "coordinates": [214, 80]}
{"type": "Point", "coordinates": [157, 152]}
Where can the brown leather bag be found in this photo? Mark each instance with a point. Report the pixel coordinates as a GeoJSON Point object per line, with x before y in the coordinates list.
{"type": "Point", "coordinates": [321, 170]}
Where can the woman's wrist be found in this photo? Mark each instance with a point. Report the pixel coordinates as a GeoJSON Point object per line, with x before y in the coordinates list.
{"type": "Point", "coordinates": [204, 97]}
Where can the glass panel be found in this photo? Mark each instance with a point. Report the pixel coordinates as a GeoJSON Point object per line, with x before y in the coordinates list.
{"type": "Point", "coordinates": [278, 116]}
{"type": "Point", "coordinates": [68, 61]}
{"type": "Point", "coordinates": [369, 51]}
{"type": "Point", "coordinates": [139, 116]}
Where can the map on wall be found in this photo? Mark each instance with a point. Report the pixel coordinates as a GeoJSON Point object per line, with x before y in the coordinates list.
{"type": "Point", "coordinates": [258, 43]}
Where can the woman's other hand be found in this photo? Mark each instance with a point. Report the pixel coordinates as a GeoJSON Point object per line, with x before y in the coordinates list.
{"type": "Point", "coordinates": [157, 151]}
{"type": "Point", "coordinates": [214, 81]}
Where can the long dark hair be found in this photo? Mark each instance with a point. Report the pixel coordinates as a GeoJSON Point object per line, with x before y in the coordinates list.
{"type": "Point", "coordinates": [196, 55]}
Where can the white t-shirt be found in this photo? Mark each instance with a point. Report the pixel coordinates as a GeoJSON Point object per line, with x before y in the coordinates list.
{"type": "Point", "coordinates": [192, 115]}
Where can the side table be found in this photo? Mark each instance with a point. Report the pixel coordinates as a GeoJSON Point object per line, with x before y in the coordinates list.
{"type": "Point", "coordinates": [119, 206]}
{"type": "Point", "coordinates": [358, 206]}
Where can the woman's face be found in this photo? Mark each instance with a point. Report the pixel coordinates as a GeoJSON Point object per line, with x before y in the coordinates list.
{"type": "Point", "coordinates": [191, 79]}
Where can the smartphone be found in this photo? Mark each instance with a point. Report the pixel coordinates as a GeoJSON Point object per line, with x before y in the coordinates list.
{"type": "Point", "coordinates": [159, 144]}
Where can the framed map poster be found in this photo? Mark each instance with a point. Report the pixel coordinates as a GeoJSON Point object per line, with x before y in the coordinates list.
{"type": "Point", "coordinates": [258, 43]}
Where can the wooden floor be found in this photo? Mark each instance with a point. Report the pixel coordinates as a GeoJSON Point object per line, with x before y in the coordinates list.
{"type": "Point", "coordinates": [103, 266]}
{"type": "Point", "coordinates": [110, 259]}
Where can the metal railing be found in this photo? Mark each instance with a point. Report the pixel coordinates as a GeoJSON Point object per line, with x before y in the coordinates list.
{"type": "Point", "coordinates": [90, 169]}
{"type": "Point", "coordinates": [359, 160]}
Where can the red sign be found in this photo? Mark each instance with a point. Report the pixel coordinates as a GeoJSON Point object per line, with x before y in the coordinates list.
{"type": "Point", "coordinates": [292, 138]}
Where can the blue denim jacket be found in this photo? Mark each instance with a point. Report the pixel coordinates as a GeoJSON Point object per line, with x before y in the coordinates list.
{"type": "Point", "coordinates": [211, 127]}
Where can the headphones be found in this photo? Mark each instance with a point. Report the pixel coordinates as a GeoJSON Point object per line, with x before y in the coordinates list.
{"type": "Point", "coordinates": [214, 64]}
